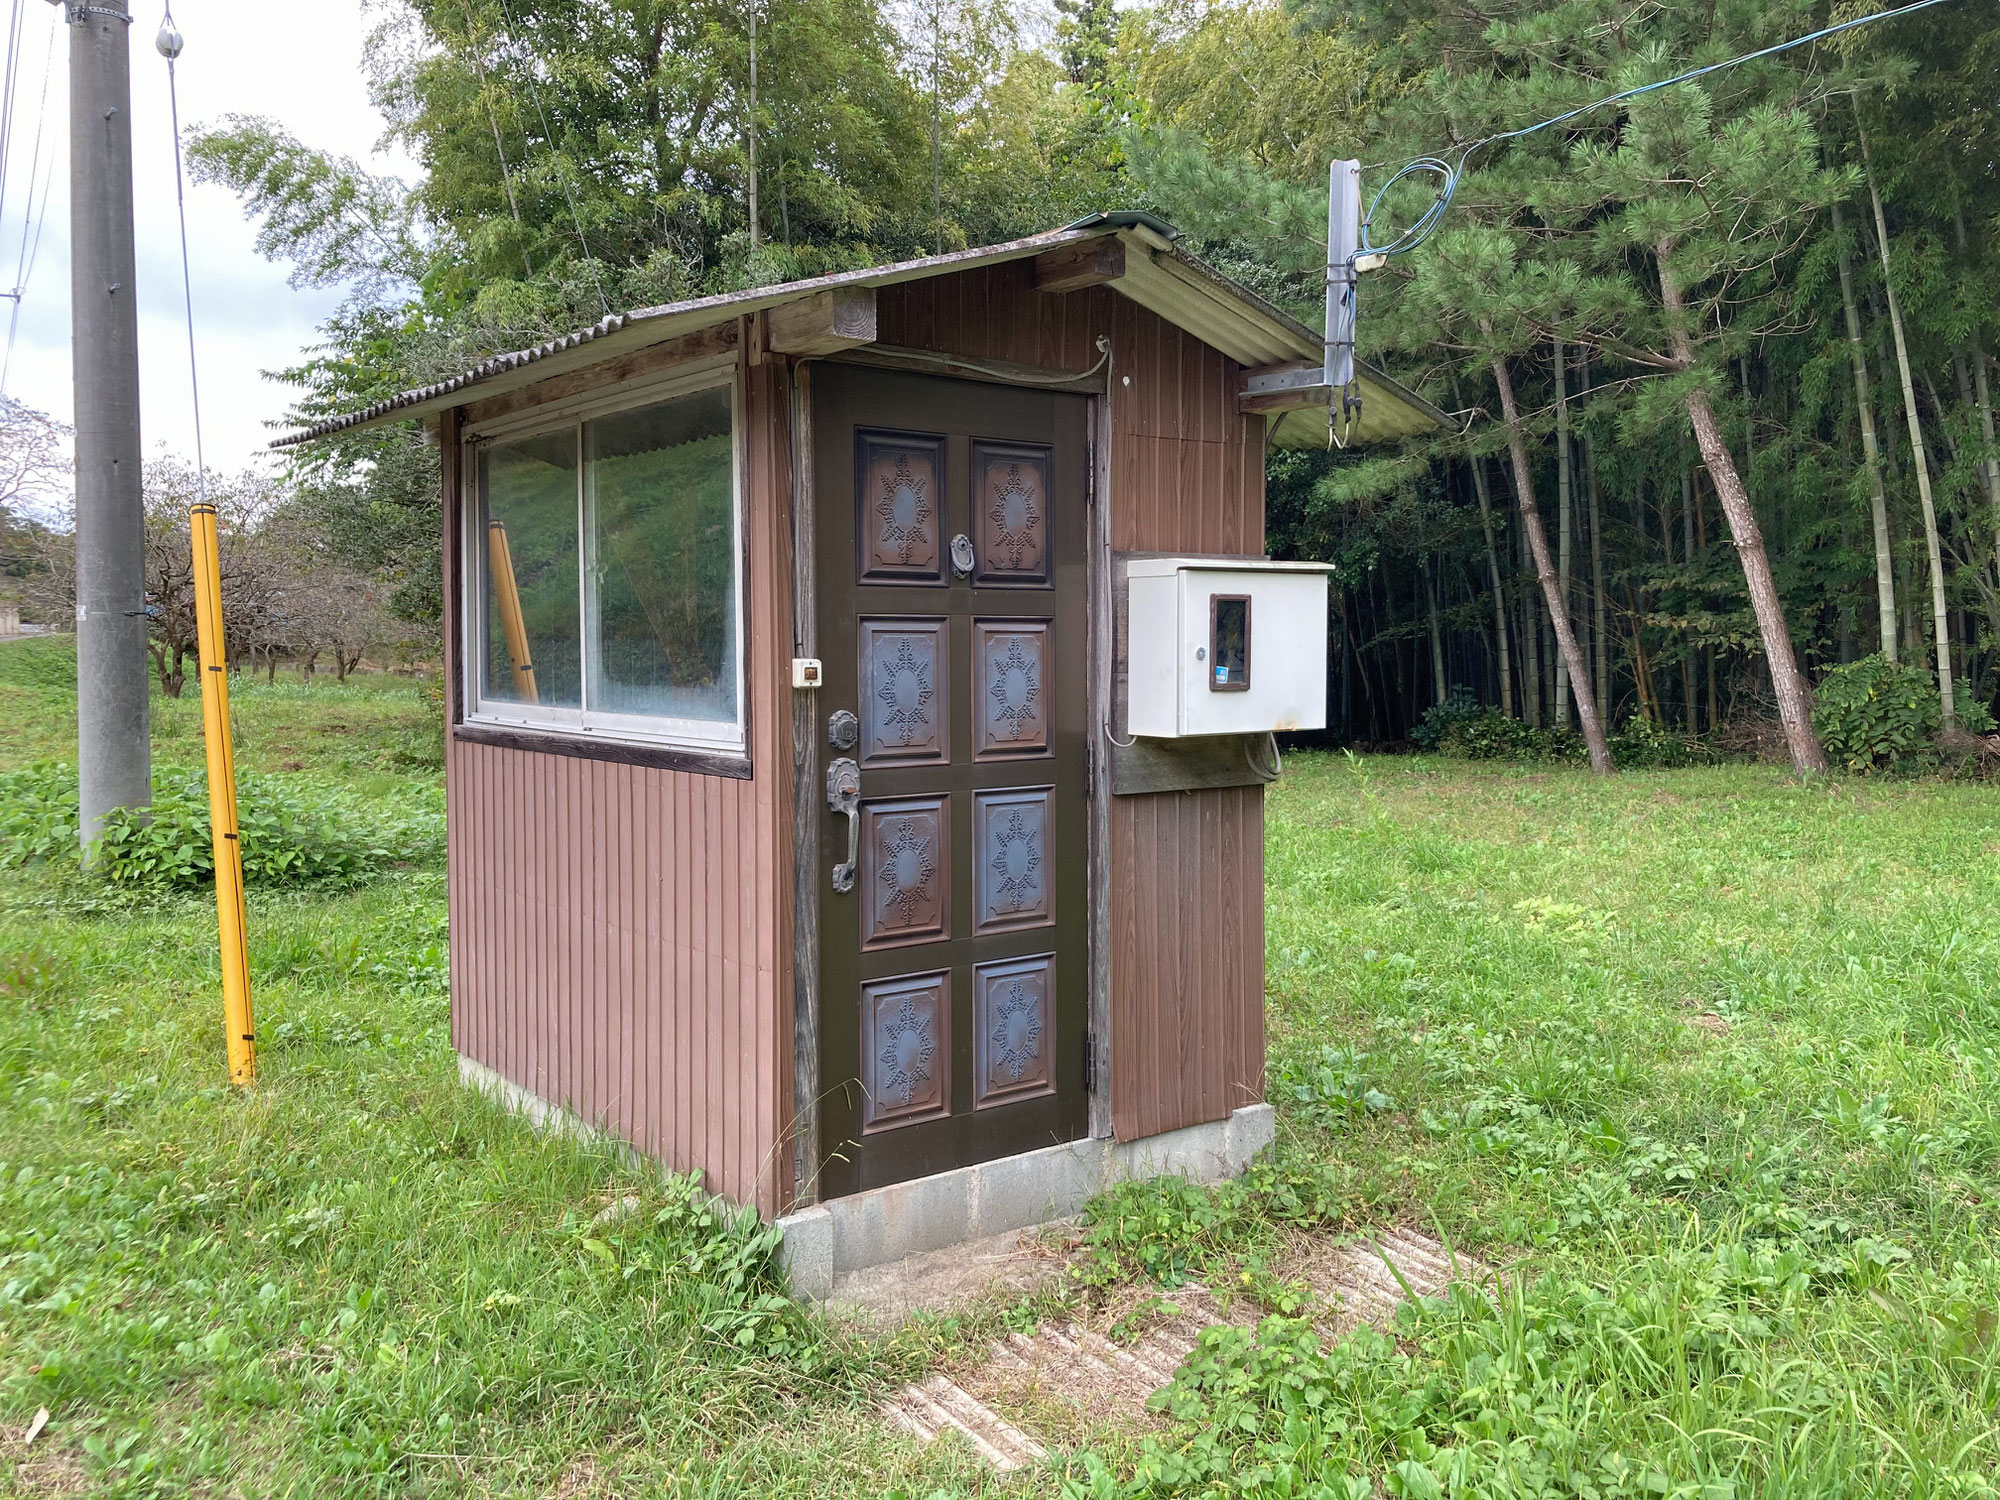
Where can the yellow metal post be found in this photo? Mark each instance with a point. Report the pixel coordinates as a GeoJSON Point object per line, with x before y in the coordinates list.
{"type": "Point", "coordinates": [229, 917]}
{"type": "Point", "coordinates": [500, 561]}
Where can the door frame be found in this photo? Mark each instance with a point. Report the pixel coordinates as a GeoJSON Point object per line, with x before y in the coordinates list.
{"type": "Point", "coordinates": [808, 790]}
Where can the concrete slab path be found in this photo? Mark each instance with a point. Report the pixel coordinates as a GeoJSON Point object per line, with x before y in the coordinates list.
{"type": "Point", "coordinates": [1356, 1281]}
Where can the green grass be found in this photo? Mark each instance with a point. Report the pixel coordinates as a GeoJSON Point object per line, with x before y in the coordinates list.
{"type": "Point", "coordinates": [1752, 1262]}
{"type": "Point", "coordinates": [359, 1277]}
{"type": "Point", "coordinates": [370, 725]}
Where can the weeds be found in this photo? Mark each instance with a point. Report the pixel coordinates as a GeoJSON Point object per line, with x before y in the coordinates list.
{"type": "Point", "coordinates": [1170, 1231]}
{"type": "Point", "coordinates": [1748, 1264]}
{"type": "Point", "coordinates": [1693, 1374]}
{"type": "Point", "coordinates": [1754, 1263]}
{"type": "Point", "coordinates": [288, 838]}
{"type": "Point", "coordinates": [40, 662]}
{"type": "Point", "coordinates": [1332, 1088]}
{"type": "Point", "coordinates": [358, 1278]}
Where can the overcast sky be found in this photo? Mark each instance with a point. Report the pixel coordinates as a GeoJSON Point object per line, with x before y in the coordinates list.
{"type": "Point", "coordinates": [299, 63]}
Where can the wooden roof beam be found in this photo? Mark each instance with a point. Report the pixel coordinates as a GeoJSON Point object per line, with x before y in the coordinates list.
{"type": "Point", "coordinates": [824, 323]}
{"type": "Point", "coordinates": [1071, 268]}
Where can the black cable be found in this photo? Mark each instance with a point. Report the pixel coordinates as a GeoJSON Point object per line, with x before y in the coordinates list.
{"type": "Point", "coordinates": [169, 45]}
{"type": "Point", "coordinates": [576, 218]}
{"type": "Point", "coordinates": [31, 219]}
{"type": "Point", "coordinates": [1453, 173]}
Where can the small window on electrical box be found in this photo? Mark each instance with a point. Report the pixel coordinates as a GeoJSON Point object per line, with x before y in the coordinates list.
{"type": "Point", "coordinates": [1229, 643]}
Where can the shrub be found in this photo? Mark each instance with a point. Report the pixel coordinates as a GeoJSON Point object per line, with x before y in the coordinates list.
{"type": "Point", "coordinates": [1875, 714]}
{"type": "Point", "coordinates": [1642, 744]}
{"type": "Point", "coordinates": [38, 814]}
{"type": "Point", "coordinates": [287, 839]}
{"type": "Point", "coordinates": [1441, 720]}
{"type": "Point", "coordinates": [1487, 734]}
{"type": "Point", "coordinates": [1464, 729]}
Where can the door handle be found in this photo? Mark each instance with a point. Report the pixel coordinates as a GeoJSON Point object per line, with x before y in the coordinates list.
{"type": "Point", "coordinates": [843, 795]}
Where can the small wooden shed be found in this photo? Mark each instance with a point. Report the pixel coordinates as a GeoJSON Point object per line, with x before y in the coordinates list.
{"type": "Point", "coordinates": [796, 832]}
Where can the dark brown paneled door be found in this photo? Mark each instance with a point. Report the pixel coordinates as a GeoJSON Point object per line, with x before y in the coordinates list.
{"type": "Point", "coordinates": [952, 624]}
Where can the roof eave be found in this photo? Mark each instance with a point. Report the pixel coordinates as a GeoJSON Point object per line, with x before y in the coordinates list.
{"type": "Point", "coordinates": [624, 332]}
{"type": "Point", "coordinates": [1253, 332]}
{"type": "Point", "coordinates": [1159, 276]}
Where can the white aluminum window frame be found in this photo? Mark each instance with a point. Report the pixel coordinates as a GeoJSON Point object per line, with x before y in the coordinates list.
{"type": "Point", "coordinates": [585, 724]}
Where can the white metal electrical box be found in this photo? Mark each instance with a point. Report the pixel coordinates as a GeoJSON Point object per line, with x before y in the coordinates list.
{"type": "Point", "coordinates": [1219, 645]}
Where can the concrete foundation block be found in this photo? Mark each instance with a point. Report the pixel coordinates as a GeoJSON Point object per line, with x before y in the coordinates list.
{"type": "Point", "coordinates": [807, 1252]}
{"type": "Point", "coordinates": [833, 1240]}
{"type": "Point", "coordinates": [1018, 1191]}
{"type": "Point", "coordinates": [550, 1118]}
{"type": "Point", "coordinates": [1251, 1130]}
{"type": "Point", "coordinates": [925, 1213]}
{"type": "Point", "coordinates": [1199, 1153]}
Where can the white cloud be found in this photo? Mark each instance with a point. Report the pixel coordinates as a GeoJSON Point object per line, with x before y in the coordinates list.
{"type": "Point", "coordinates": [298, 64]}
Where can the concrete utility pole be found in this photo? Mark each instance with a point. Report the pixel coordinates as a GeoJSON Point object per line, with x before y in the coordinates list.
{"type": "Point", "coordinates": [114, 754]}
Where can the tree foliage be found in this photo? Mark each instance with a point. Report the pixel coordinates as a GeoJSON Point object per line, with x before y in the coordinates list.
{"type": "Point", "coordinates": [1715, 195]}
{"type": "Point", "coordinates": [583, 157]}
{"type": "Point", "coordinates": [1682, 246]}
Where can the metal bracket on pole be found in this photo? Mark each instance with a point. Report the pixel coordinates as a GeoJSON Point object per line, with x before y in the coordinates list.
{"type": "Point", "coordinates": [78, 13]}
{"type": "Point", "coordinates": [1343, 244]}
{"type": "Point", "coordinates": [1343, 247]}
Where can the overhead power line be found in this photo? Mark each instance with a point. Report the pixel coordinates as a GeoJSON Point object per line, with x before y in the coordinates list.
{"type": "Point", "coordinates": [7, 101]}
{"type": "Point", "coordinates": [168, 43]}
{"type": "Point", "coordinates": [562, 176]}
{"type": "Point", "coordinates": [1450, 174]}
{"type": "Point", "coordinates": [31, 218]}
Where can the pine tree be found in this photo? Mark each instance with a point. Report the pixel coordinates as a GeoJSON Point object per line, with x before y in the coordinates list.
{"type": "Point", "coordinates": [1712, 203]}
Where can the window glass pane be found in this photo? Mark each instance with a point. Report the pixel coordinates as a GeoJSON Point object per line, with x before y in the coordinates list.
{"type": "Point", "coordinates": [527, 493]}
{"type": "Point", "coordinates": [1230, 647]}
{"type": "Point", "coordinates": [660, 516]}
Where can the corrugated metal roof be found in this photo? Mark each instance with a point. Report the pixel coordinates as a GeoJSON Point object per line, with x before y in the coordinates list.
{"type": "Point", "coordinates": [1159, 276]}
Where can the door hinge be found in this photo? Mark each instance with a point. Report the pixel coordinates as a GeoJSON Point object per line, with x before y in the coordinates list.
{"type": "Point", "coordinates": [1089, 771]}
{"type": "Point", "coordinates": [1089, 1062]}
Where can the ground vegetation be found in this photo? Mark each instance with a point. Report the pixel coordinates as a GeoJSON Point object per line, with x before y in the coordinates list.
{"type": "Point", "coordinates": [1702, 1058]}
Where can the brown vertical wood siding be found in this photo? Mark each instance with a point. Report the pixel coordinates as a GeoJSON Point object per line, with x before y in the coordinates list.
{"type": "Point", "coordinates": [1187, 868]}
{"type": "Point", "coordinates": [621, 935]}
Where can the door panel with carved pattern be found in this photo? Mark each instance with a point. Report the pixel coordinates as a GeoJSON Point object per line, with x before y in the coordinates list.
{"type": "Point", "coordinates": [951, 519]}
